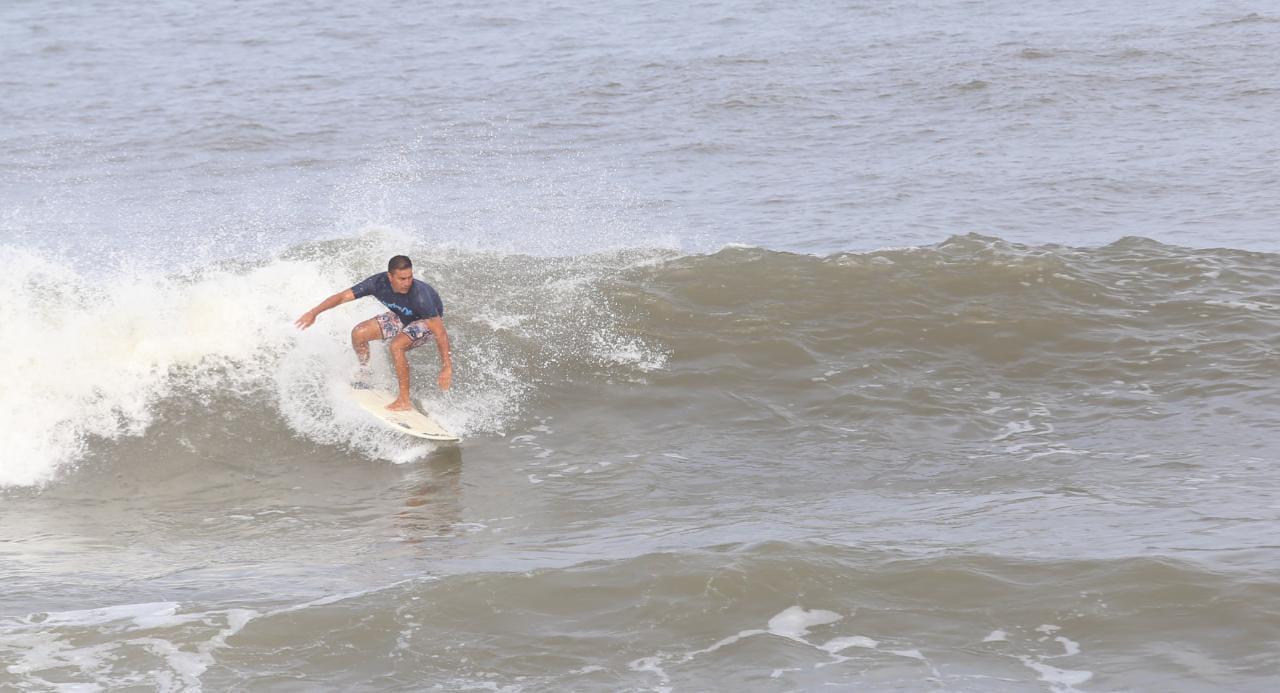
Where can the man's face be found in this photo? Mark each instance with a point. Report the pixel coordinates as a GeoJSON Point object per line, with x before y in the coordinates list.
{"type": "Point", "coordinates": [401, 280]}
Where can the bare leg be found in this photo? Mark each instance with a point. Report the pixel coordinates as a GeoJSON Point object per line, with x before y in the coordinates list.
{"type": "Point", "coordinates": [400, 344]}
{"type": "Point", "coordinates": [361, 335]}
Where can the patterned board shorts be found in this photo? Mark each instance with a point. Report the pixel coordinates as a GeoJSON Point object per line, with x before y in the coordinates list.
{"type": "Point", "coordinates": [391, 326]}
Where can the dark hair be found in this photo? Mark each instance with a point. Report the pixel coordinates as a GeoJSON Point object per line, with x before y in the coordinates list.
{"type": "Point", "coordinates": [399, 262]}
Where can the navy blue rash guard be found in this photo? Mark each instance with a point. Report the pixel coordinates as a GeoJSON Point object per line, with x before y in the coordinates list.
{"type": "Point", "coordinates": [420, 303]}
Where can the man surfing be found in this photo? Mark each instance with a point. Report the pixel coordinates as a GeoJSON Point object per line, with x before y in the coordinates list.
{"type": "Point", "coordinates": [415, 311]}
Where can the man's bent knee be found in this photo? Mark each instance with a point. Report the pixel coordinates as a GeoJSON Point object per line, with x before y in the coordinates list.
{"type": "Point", "coordinates": [401, 343]}
{"type": "Point", "coordinates": [365, 332]}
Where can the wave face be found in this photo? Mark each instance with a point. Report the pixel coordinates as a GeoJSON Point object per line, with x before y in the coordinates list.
{"type": "Point", "coordinates": [981, 339]}
{"type": "Point", "coordinates": [974, 346]}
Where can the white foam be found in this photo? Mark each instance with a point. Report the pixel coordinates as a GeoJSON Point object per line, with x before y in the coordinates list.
{"type": "Point", "coordinates": [628, 351]}
{"type": "Point", "coordinates": [35, 644]}
{"type": "Point", "coordinates": [84, 358]}
{"type": "Point", "coordinates": [794, 622]}
{"type": "Point", "coordinates": [1014, 428]}
{"type": "Point", "coordinates": [1059, 679]}
{"type": "Point", "coordinates": [1245, 305]}
{"type": "Point", "coordinates": [839, 644]}
{"type": "Point", "coordinates": [726, 641]}
{"type": "Point", "coordinates": [652, 665]}
{"type": "Point", "coordinates": [1056, 451]}
{"type": "Point", "coordinates": [502, 322]}
{"type": "Point", "coordinates": [997, 636]}
{"type": "Point", "coordinates": [140, 614]}
{"type": "Point", "coordinates": [1069, 646]}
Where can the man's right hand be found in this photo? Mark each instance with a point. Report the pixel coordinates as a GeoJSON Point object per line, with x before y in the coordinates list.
{"type": "Point", "coordinates": [337, 299]}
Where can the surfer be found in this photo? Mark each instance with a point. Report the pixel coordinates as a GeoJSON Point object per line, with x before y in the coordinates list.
{"type": "Point", "coordinates": [415, 314]}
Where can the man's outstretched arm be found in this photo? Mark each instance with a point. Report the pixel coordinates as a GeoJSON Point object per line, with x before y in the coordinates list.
{"type": "Point", "coordinates": [309, 317]}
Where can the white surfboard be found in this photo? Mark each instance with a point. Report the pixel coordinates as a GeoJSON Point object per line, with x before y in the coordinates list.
{"type": "Point", "coordinates": [411, 423]}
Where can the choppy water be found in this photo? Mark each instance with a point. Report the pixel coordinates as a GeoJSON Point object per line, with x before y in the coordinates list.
{"type": "Point", "coordinates": [877, 347]}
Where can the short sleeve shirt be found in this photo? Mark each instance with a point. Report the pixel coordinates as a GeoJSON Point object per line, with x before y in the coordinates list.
{"type": "Point", "coordinates": [420, 303]}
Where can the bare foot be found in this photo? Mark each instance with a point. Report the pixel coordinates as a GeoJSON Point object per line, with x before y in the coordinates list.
{"type": "Point", "coordinates": [400, 405]}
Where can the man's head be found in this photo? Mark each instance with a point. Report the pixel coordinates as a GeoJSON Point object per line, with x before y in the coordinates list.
{"type": "Point", "coordinates": [400, 271]}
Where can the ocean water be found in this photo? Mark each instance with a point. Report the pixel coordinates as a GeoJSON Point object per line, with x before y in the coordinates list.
{"type": "Point", "coordinates": [798, 346]}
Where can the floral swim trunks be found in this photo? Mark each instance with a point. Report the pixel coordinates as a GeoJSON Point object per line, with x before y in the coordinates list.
{"type": "Point", "coordinates": [391, 326]}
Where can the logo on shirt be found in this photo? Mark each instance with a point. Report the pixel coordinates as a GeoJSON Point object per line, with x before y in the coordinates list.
{"type": "Point", "coordinates": [400, 309]}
